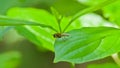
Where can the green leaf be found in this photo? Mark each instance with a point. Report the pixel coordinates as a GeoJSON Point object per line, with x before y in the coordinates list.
{"type": "Point", "coordinates": [5, 21]}
{"type": "Point", "coordinates": [75, 25]}
{"type": "Point", "coordinates": [35, 15]}
{"type": "Point", "coordinates": [68, 7]}
{"type": "Point", "coordinates": [112, 12]}
{"type": "Point", "coordinates": [105, 65]}
{"type": "Point", "coordinates": [65, 20]}
{"type": "Point", "coordinates": [88, 10]}
{"type": "Point", "coordinates": [9, 59]}
{"type": "Point", "coordinates": [42, 37]}
{"type": "Point", "coordinates": [87, 44]}
{"type": "Point", "coordinates": [93, 8]}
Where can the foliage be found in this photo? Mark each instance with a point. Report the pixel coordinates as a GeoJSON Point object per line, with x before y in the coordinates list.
{"type": "Point", "coordinates": [73, 42]}
{"type": "Point", "coordinates": [87, 44]}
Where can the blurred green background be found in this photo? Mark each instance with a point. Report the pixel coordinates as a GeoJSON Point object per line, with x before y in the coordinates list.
{"type": "Point", "coordinates": [18, 52]}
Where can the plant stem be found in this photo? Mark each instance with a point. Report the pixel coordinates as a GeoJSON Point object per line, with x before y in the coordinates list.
{"type": "Point", "coordinates": [72, 65]}
{"type": "Point", "coordinates": [88, 10]}
{"type": "Point", "coordinates": [116, 59]}
{"type": "Point", "coordinates": [58, 18]}
{"type": "Point", "coordinates": [59, 24]}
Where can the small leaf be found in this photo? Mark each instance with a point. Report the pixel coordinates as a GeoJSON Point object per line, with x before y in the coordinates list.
{"type": "Point", "coordinates": [87, 44]}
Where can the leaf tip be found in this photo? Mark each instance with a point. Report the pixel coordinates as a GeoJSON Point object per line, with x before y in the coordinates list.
{"type": "Point", "coordinates": [55, 61]}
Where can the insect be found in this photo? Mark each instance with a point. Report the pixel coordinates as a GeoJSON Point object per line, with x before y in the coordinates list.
{"type": "Point", "coordinates": [60, 35]}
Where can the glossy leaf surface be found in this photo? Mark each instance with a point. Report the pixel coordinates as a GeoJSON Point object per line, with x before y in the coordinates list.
{"type": "Point", "coordinates": [87, 44]}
